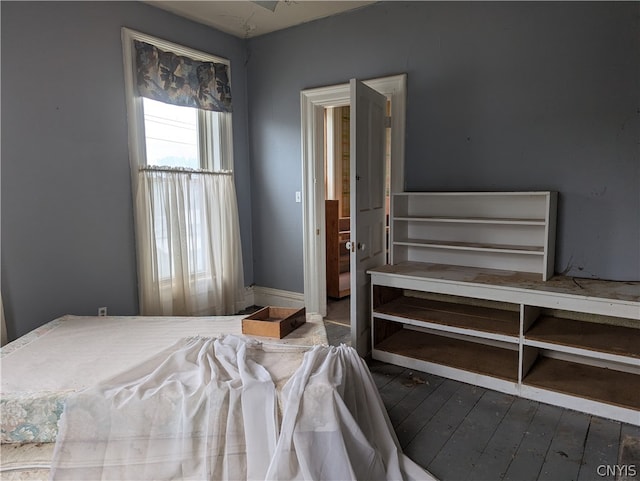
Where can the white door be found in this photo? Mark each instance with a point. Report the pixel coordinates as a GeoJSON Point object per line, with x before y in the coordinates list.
{"type": "Point", "coordinates": [368, 216]}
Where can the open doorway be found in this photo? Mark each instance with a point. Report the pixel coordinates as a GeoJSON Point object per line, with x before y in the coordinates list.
{"type": "Point", "coordinates": [313, 105]}
{"type": "Point", "coordinates": [337, 182]}
{"type": "Point", "coordinates": [337, 200]}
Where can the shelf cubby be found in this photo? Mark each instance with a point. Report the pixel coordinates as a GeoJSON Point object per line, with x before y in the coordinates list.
{"type": "Point", "coordinates": [474, 357]}
{"type": "Point", "coordinates": [591, 337]}
{"type": "Point", "coordinates": [608, 386]}
{"type": "Point", "coordinates": [434, 313]}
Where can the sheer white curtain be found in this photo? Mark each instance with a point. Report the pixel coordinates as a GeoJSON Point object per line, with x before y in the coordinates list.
{"type": "Point", "coordinates": [188, 235]}
{"type": "Point", "coordinates": [206, 409]}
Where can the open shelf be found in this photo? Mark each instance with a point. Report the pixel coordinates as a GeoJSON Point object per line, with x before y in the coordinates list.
{"type": "Point", "coordinates": [472, 246]}
{"type": "Point", "coordinates": [499, 230]}
{"type": "Point", "coordinates": [470, 356]}
{"type": "Point", "coordinates": [595, 383]}
{"type": "Point", "coordinates": [623, 341]}
{"type": "Point", "coordinates": [477, 318]}
{"type": "Point", "coordinates": [474, 220]}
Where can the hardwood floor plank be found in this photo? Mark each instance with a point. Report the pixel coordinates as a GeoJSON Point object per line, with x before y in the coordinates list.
{"type": "Point", "coordinates": [565, 452]}
{"type": "Point", "coordinates": [531, 453]}
{"type": "Point", "coordinates": [601, 449]}
{"type": "Point", "coordinates": [438, 425]}
{"type": "Point", "coordinates": [461, 452]}
{"type": "Point", "coordinates": [383, 373]}
{"type": "Point", "coordinates": [412, 425]}
{"type": "Point", "coordinates": [629, 455]}
{"type": "Point", "coordinates": [501, 448]}
{"type": "Point", "coordinates": [337, 333]}
{"type": "Point", "coordinates": [629, 430]}
{"type": "Point", "coordinates": [397, 389]}
{"type": "Point", "coordinates": [424, 386]}
{"type": "Point", "coordinates": [429, 441]}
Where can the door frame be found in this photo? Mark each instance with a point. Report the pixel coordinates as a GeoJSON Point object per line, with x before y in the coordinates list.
{"type": "Point", "coordinates": [312, 105]}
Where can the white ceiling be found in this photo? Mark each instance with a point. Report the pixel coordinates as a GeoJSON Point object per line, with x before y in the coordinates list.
{"type": "Point", "coordinates": [247, 19]}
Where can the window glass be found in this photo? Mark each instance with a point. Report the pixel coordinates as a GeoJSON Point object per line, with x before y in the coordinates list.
{"type": "Point", "coordinates": [171, 135]}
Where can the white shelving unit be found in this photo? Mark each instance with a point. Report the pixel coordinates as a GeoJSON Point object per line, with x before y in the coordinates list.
{"type": "Point", "coordinates": [470, 295]}
{"type": "Point", "coordinates": [569, 342]}
{"type": "Point", "coordinates": [496, 230]}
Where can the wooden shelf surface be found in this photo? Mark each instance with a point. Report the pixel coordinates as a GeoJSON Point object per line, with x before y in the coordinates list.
{"type": "Point", "coordinates": [617, 292]}
{"type": "Point", "coordinates": [473, 220]}
{"type": "Point", "coordinates": [624, 341]}
{"type": "Point", "coordinates": [594, 383]}
{"type": "Point", "coordinates": [472, 246]}
{"type": "Point", "coordinates": [470, 356]}
{"type": "Point", "coordinates": [477, 318]}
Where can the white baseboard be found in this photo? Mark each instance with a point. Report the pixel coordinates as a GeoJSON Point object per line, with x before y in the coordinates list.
{"type": "Point", "coordinates": [267, 296]}
{"type": "Point", "coordinates": [248, 299]}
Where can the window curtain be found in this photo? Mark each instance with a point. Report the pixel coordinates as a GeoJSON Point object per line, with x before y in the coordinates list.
{"type": "Point", "coordinates": [179, 80]}
{"type": "Point", "coordinates": [189, 251]}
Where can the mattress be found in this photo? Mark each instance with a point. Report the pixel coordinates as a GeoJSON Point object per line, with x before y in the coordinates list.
{"type": "Point", "coordinates": [41, 369]}
{"type": "Point", "coordinates": [50, 365]}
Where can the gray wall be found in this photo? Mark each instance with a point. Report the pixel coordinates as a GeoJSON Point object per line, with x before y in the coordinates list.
{"type": "Point", "coordinates": [501, 96]}
{"type": "Point", "coordinates": [511, 96]}
{"type": "Point", "coordinates": [67, 225]}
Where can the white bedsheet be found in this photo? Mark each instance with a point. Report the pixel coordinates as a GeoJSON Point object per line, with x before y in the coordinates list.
{"type": "Point", "coordinates": [75, 351]}
{"type": "Point", "coordinates": [41, 369]}
{"type": "Point", "coordinates": [205, 409]}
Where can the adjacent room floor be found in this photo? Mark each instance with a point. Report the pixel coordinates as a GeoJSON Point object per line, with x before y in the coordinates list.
{"type": "Point", "coordinates": [462, 432]}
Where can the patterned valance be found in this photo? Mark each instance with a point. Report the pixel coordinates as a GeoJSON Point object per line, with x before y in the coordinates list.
{"type": "Point", "coordinates": [179, 80]}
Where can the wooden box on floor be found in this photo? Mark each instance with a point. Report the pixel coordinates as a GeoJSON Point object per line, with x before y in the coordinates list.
{"type": "Point", "coordinates": [273, 322]}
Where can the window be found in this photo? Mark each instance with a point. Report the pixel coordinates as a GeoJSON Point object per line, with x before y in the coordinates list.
{"type": "Point", "coordinates": [174, 136]}
{"type": "Point", "coordinates": [186, 137]}
{"type": "Point", "coordinates": [171, 135]}
{"type": "Point", "coordinates": [180, 141]}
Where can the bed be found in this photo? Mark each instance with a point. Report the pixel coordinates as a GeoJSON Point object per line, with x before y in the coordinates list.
{"type": "Point", "coordinates": [63, 363]}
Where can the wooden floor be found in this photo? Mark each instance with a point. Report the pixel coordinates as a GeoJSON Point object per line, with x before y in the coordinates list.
{"type": "Point", "coordinates": [463, 432]}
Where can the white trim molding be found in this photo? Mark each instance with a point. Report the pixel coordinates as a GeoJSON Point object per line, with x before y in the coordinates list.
{"type": "Point", "coordinates": [312, 105]}
{"type": "Point", "coordinates": [267, 296]}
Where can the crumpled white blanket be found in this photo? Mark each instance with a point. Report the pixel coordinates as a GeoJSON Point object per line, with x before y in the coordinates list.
{"type": "Point", "coordinates": [204, 409]}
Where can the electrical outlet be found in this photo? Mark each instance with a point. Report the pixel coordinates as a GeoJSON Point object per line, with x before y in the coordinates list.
{"type": "Point", "coordinates": [102, 311]}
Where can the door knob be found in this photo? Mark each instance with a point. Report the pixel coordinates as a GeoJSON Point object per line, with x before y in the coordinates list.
{"type": "Point", "coordinates": [361, 246]}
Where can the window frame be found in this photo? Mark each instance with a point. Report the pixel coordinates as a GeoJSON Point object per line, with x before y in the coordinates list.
{"type": "Point", "coordinates": [208, 127]}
